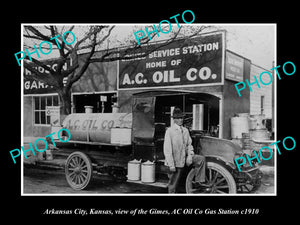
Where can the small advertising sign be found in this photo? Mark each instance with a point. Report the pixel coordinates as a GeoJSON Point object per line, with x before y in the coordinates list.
{"type": "Point", "coordinates": [103, 98]}
{"type": "Point", "coordinates": [53, 112]}
{"type": "Point", "coordinates": [234, 67]}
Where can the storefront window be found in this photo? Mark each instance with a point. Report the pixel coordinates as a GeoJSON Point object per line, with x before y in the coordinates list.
{"type": "Point", "coordinates": [262, 104]}
{"type": "Point", "coordinates": [40, 104]}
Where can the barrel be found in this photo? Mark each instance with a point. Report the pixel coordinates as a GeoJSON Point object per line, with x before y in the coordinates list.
{"type": "Point", "coordinates": [256, 121]}
{"type": "Point", "coordinates": [95, 127]}
{"type": "Point", "coordinates": [148, 172]}
{"type": "Point", "coordinates": [243, 114]}
{"type": "Point", "coordinates": [261, 134]}
{"type": "Point", "coordinates": [88, 109]}
{"type": "Point", "coordinates": [239, 125]}
{"type": "Point", "coordinates": [134, 170]}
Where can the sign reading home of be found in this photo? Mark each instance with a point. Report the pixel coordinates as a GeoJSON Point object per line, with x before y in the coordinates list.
{"type": "Point", "coordinates": [195, 61]}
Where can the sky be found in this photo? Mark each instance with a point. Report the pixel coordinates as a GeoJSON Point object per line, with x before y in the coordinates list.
{"type": "Point", "coordinates": [255, 42]}
{"type": "Point", "coordinates": [252, 41]}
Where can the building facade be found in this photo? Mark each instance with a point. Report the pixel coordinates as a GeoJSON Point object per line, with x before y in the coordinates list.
{"type": "Point", "coordinates": [201, 65]}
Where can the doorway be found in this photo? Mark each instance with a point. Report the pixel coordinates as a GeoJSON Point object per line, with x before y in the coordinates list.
{"type": "Point", "coordinates": [202, 111]}
{"type": "Point", "coordinates": [101, 102]}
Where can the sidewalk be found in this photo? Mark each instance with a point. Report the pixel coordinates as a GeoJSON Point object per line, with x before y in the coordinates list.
{"type": "Point", "coordinates": [39, 158]}
{"type": "Point", "coordinates": [35, 160]}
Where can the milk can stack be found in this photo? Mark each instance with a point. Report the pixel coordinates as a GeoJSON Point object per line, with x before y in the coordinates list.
{"type": "Point", "coordinates": [250, 132]}
{"type": "Point", "coordinates": [258, 132]}
{"type": "Point", "coordinates": [138, 171]}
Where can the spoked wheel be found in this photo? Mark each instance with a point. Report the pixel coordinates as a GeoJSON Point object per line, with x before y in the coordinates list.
{"type": "Point", "coordinates": [247, 188]}
{"type": "Point", "coordinates": [250, 183]}
{"type": "Point", "coordinates": [78, 170]}
{"type": "Point", "coordinates": [218, 180]}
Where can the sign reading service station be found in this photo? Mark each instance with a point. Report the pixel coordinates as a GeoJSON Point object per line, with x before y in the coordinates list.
{"type": "Point", "coordinates": [195, 61]}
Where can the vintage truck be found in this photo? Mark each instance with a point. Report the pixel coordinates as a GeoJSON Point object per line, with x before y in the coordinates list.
{"type": "Point", "coordinates": [93, 150]}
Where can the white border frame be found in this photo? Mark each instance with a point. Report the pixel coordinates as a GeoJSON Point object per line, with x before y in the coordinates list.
{"type": "Point", "coordinates": [156, 194]}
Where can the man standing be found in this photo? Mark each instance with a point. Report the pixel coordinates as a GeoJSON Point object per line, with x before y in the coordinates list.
{"type": "Point", "coordinates": [178, 151]}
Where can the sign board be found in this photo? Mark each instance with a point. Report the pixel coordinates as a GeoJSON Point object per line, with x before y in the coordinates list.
{"type": "Point", "coordinates": [197, 61]}
{"type": "Point", "coordinates": [234, 67]}
{"type": "Point", "coordinates": [32, 86]}
{"type": "Point", "coordinates": [54, 113]}
{"type": "Point", "coordinates": [103, 98]}
{"type": "Point", "coordinates": [52, 110]}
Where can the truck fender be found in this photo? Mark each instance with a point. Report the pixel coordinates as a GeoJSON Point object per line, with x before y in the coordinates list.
{"type": "Point", "coordinates": [222, 161]}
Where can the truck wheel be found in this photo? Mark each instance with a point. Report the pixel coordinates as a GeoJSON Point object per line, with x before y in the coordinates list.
{"type": "Point", "coordinates": [217, 180]}
{"type": "Point", "coordinates": [78, 170]}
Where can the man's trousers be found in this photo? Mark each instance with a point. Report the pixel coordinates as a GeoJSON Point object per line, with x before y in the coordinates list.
{"type": "Point", "coordinates": [199, 167]}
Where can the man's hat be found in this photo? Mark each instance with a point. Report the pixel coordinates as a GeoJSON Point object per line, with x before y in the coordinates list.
{"type": "Point", "coordinates": [177, 113]}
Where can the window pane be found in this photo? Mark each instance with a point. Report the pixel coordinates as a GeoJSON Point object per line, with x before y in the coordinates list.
{"type": "Point", "coordinates": [48, 119]}
{"type": "Point", "coordinates": [43, 103]}
{"type": "Point", "coordinates": [43, 117]}
{"type": "Point", "coordinates": [36, 102]}
{"type": "Point", "coordinates": [49, 101]}
{"type": "Point", "coordinates": [36, 117]}
{"type": "Point", "coordinates": [55, 100]}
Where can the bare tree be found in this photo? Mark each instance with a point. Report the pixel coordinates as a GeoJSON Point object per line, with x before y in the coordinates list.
{"type": "Point", "coordinates": [94, 36]}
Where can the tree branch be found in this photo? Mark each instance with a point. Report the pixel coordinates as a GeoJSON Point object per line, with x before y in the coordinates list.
{"type": "Point", "coordinates": [83, 68]}
{"type": "Point", "coordinates": [37, 33]}
{"type": "Point", "coordinates": [41, 64]}
{"type": "Point", "coordinates": [98, 42]}
{"type": "Point", "coordinates": [69, 71]}
{"type": "Point", "coordinates": [106, 57]}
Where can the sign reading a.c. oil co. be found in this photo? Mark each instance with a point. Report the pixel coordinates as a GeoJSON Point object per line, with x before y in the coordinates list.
{"type": "Point", "coordinates": [186, 62]}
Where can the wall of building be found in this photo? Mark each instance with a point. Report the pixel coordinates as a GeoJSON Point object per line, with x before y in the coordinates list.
{"type": "Point", "coordinates": [30, 129]}
{"type": "Point", "coordinates": [232, 102]}
{"type": "Point", "coordinates": [99, 77]}
{"type": "Point", "coordinates": [264, 90]}
{"type": "Point", "coordinates": [27, 116]}
{"type": "Point", "coordinates": [102, 77]}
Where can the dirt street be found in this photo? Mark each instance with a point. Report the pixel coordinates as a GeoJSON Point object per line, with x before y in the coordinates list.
{"type": "Point", "coordinates": [50, 181]}
{"type": "Point", "coordinates": [39, 180]}
{"type": "Point", "coordinates": [47, 181]}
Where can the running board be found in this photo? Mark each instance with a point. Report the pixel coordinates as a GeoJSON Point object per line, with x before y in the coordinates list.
{"type": "Point", "coordinates": [154, 184]}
